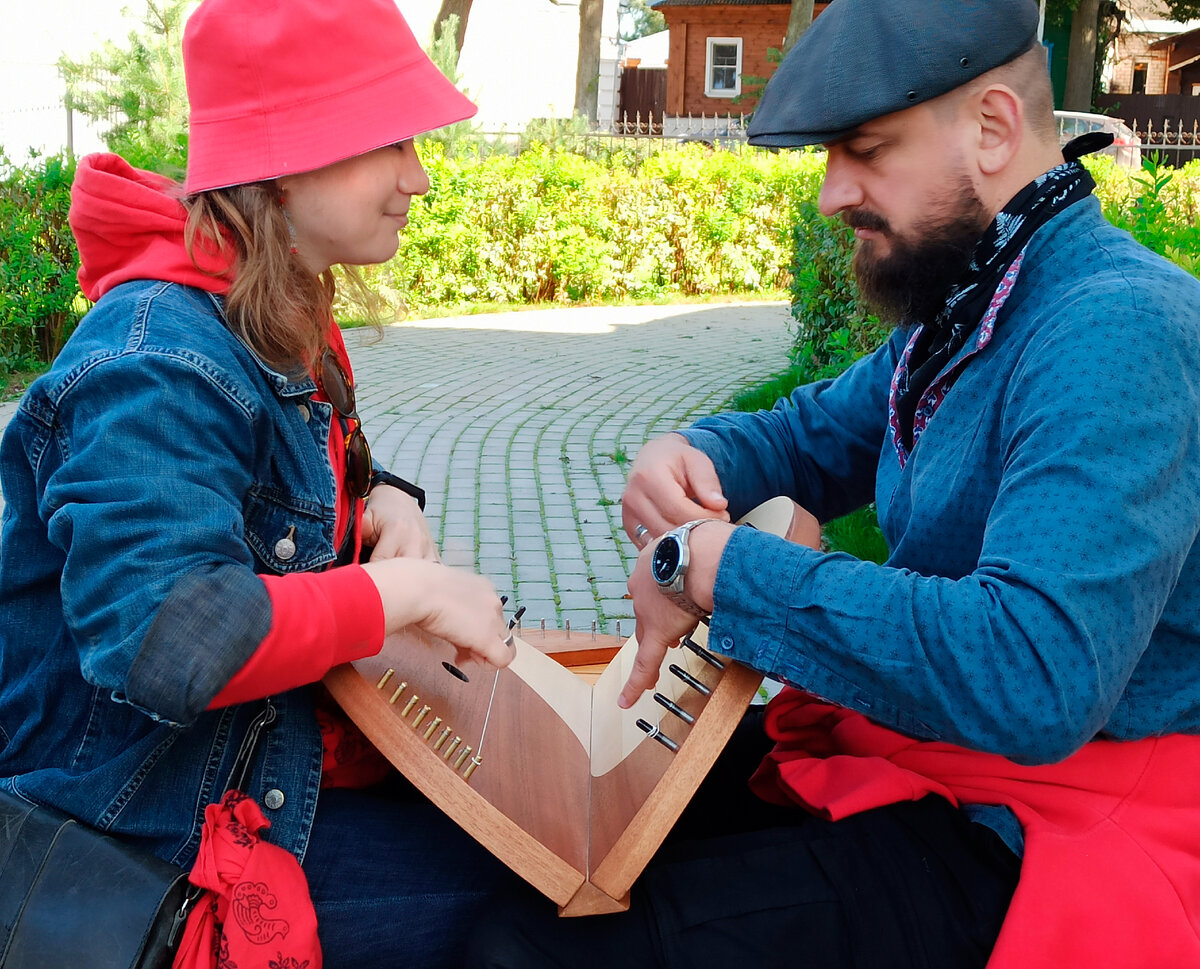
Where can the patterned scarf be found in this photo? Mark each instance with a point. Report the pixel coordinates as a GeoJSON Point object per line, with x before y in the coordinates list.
{"type": "Point", "coordinates": [1003, 241]}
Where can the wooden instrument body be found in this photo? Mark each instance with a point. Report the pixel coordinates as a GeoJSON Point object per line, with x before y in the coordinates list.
{"type": "Point", "coordinates": [568, 791]}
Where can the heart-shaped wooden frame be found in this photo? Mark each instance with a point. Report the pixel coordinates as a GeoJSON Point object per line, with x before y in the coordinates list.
{"type": "Point", "coordinates": [565, 788]}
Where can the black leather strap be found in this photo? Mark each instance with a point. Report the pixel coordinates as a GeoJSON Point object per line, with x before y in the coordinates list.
{"type": "Point", "coordinates": [387, 478]}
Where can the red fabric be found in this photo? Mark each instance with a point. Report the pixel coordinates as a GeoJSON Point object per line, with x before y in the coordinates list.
{"type": "Point", "coordinates": [255, 912]}
{"type": "Point", "coordinates": [349, 758]}
{"type": "Point", "coordinates": [318, 620]}
{"type": "Point", "coordinates": [1111, 872]}
{"type": "Point", "coordinates": [263, 78]}
{"type": "Point", "coordinates": [128, 224]}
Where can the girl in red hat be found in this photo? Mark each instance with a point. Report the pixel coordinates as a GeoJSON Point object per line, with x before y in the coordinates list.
{"type": "Point", "coordinates": [189, 494]}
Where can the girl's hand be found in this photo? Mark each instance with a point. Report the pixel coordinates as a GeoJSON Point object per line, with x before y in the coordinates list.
{"type": "Point", "coordinates": [460, 607]}
{"type": "Point", "coordinates": [395, 527]}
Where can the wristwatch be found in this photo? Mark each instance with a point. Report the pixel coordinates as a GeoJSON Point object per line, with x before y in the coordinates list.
{"type": "Point", "coordinates": [669, 565]}
{"type": "Point", "coordinates": [387, 478]}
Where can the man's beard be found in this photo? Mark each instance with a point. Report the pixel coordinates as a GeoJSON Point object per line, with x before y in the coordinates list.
{"type": "Point", "coordinates": [911, 284]}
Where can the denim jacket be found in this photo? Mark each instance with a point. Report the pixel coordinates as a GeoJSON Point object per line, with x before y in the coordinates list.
{"type": "Point", "coordinates": [148, 476]}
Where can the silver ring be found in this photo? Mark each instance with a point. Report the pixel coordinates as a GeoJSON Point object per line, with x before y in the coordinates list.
{"type": "Point", "coordinates": [639, 535]}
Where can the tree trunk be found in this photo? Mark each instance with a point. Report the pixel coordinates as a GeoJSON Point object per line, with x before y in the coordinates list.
{"type": "Point", "coordinates": [587, 73]}
{"type": "Point", "coordinates": [448, 7]}
{"type": "Point", "coordinates": [1081, 57]}
{"type": "Point", "coordinates": [799, 20]}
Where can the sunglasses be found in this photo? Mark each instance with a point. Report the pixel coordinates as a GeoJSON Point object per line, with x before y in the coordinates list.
{"type": "Point", "coordinates": [340, 392]}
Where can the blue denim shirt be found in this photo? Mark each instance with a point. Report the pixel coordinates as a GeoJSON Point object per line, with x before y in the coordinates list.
{"type": "Point", "coordinates": [1043, 585]}
{"type": "Point", "coordinates": [148, 477]}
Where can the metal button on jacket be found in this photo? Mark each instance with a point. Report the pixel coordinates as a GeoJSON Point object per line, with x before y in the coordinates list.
{"type": "Point", "coordinates": [285, 548]}
{"type": "Point", "coordinates": [274, 799]}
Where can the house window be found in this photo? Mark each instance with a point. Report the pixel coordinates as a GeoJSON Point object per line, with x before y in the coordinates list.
{"type": "Point", "coordinates": [1139, 77]}
{"type": "Point", "coordinates": [723, 67]}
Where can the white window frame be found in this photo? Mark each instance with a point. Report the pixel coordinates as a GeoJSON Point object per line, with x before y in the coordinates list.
{"type": "Point", "coordinates": [708, 68]}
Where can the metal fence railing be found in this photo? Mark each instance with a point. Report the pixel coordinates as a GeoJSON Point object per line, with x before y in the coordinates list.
{"type": "Point", "coordinates": [1176, 142]}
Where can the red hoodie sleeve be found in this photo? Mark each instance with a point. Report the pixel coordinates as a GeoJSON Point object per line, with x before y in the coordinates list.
{"type": "Point", "coordinates": [318, 620]}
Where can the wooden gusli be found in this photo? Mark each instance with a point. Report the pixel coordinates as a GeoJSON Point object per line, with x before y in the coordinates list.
{"type": "Point", "coordinates": [542, 767]}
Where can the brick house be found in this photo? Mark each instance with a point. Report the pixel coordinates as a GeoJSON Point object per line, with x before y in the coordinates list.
{"type": "Point", "coordinates": [714, 45]}
{"type": "Point", "coordinates": [1151, 54]}
{"type": "Point", "coordinates": [1183, 62]}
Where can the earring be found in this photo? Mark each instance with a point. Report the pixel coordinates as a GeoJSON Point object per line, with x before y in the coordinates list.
{"type": "Point", "coordinates": [288, 219]}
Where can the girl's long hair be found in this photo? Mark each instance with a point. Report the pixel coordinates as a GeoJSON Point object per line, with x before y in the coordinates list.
{"type": "Point", "coordinates": [275, 304]}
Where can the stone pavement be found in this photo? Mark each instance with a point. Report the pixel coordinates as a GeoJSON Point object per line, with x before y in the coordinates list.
{"type": "Point", "coordinates": [520, 427]}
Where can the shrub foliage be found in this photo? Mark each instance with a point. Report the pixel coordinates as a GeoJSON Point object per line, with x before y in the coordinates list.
{"type": "Point", "coordinates": [39, 296]}
{"type": "Point", "coordinates": [593, 224]}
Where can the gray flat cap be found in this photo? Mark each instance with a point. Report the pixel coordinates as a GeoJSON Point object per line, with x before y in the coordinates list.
{"type": "Point", "coordinates": [862, 59]}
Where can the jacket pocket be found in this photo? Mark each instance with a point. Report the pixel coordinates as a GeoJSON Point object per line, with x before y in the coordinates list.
{"type": "Point", "coordinates": [286, 533]}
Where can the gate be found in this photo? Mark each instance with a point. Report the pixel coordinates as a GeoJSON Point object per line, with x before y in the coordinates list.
{"type": "Point", "coordinates": [643, 101]}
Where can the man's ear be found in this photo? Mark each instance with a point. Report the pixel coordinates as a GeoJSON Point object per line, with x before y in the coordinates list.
{"type": "Point", "coordinates": [1000, 114]}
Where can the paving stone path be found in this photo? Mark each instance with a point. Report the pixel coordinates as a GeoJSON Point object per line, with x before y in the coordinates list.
{"type": "Point", "coordinates": [521, 426]}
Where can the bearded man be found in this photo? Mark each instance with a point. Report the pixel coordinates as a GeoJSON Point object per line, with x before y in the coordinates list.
{"type": "Point", "coordinates": [987, 753]}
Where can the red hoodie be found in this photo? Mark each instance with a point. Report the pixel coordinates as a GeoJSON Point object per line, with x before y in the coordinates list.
{"type": "Point", "coordinates": [129, 224]}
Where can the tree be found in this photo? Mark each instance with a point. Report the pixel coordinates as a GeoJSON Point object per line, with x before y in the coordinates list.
{"type": "Point", "coordinates": [138, 89]}
{"type": "Point", "coordinates": [799, 19]}
{"type": "Point", "coordinates": [587, 70]}
{"type": "Point", "coordinates": [1081, 56]}
{"type": "Point", "coordinates": [639, 20]}
{"type": "Point", "coordinates": [1094, 25]}
{"type": "Point", "coordinates": [453, 8]}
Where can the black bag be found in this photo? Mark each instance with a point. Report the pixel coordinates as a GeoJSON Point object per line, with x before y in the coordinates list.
{"type": "Point", "coordinates": [72, 897]}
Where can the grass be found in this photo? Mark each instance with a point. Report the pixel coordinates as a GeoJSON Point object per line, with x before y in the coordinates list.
{"type": "Point", "coordinates": [856, 534]}
{"type": "Point", "coordinates": [13, 383]}
{"type": "Point", "coordinates": [764, 395]}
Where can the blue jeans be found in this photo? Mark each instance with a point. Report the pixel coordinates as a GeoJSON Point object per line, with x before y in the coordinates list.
{"type": "Point", "coordinates": [394, 882]}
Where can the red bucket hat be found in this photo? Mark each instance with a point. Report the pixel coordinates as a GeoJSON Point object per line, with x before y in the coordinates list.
{"type": "Point", "coordinates": [278, 87]}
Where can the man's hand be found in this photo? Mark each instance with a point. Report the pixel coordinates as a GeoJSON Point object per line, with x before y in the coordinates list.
{"type": "Point", "coordinates": [661, 624]}
{"type": "Point", "coordinates": [670, 483]}
{"type": "Point", "coordinates": [394, 526]}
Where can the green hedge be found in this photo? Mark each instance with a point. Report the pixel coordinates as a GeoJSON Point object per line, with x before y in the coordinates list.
{"type": "Point", "coordinates": [39, 296]}
{"type": "Point", "coordinates": [549, 225]}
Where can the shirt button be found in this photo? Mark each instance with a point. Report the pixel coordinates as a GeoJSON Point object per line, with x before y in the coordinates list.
{"type": "Point", "coordinates": [304, 412]}
{"type": "Point", "coordinates": [727, 644]}
{"type": "Point", "coordinates": [273, 799]}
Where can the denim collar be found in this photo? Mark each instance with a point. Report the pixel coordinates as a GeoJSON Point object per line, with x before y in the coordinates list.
{"type": "Point", "coordinates": [296, 385]}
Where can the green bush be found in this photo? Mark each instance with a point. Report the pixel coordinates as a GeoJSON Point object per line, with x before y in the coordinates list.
{"type": "Point", "coordinates": [551, 225]}
{"type": "Point", "coordinates": [600, 224]}
{"type": "Point", "coordinates": [40, 301]}
{"type": "Point", "coordinates": [1159, 206]}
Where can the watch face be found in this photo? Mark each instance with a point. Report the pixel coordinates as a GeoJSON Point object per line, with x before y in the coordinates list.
{"type": "Point", "coordinates": [665, 561]}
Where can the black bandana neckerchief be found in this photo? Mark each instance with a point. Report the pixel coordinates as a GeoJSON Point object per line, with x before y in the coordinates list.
{"type": "Point", "coordinates": [1003, 240]}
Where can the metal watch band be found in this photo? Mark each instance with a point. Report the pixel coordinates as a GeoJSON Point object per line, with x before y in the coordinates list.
{"type": "Point", "coordinates": [675, 589]}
